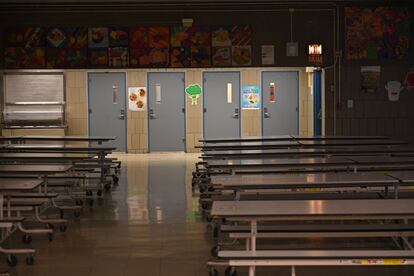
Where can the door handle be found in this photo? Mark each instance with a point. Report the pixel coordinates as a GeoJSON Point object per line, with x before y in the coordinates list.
{"type": "Point", "coordinates": [152, 115]}
{"type": "Point", "coordinates": [122, 115]}
{"type": "Point", "coordinates": [236, 113]}
{"type": "Point", "coordinates": [266, 114]}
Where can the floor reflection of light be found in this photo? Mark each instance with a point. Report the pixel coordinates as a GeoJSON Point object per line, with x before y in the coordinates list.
{"type": "Point", "coordinates": [158, 212]}
{"type": "Point", "coordinates": [316, 206]}
{"type": "Point", "coordinates": [136, 211]}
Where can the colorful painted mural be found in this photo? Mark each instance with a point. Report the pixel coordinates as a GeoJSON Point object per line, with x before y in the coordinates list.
{"type": "Point", "coordinates": [377, 33]}
{"type": "Point", "coordinates": [127, 47]}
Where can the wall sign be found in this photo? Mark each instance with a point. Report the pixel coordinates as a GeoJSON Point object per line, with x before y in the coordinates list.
{"type": "Point", "coordinates": [409, 79]}
{"type": "Point", "coordinates": [251, 97]}
{"type": "Point", "coordinates": [370, 78]}
{"type": "Point", "coordinates": [268, 54]}
{"type": "Point", "coordinates": [137, 98]}
{"type": "Point", "coordinates": [394, 88]}
{"type": "Point", "coordinates": [272, 92]}
{"type": "Point", "coordinates": [194, 92]}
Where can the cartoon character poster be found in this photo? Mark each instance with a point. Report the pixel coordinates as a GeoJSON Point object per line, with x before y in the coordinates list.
{"type": "Point", "coordinates": [377, 33]}
{"type": "Point", "coordinates": [250, 97]}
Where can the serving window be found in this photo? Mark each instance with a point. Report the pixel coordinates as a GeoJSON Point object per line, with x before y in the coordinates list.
{"type": "Point", "coordinates": [33, 99]}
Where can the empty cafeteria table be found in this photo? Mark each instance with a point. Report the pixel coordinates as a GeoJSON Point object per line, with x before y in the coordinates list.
{"type": "Point", "coordinates": [287, 138]}
{"type": "Point", "coordinates": [44, 157]}
{"type": "Point", "coordinates": [307, 181]}
{"type": "Point", "coordinates": [33, 169]}
{"type": "Point", "coordinates": [90, 139]}
{"type": "Point", "coordinates": [300, 152]}
{"type": "Point", "coordinates": [282, 162]}
{"type": "Point", "coordinates": [298, 144]}
{"type": "Point", "coordinates": [314, 210]}
{"type": "Point", "coordinates": [308, 210]}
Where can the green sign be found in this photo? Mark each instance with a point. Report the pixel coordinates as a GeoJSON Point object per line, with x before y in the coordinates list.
{"type": "Point", "coordinates": [194, 92]}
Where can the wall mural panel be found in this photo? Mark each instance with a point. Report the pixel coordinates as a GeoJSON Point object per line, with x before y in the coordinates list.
{"type": "Point", "coordinates": [128, 47]}
{"type": "Point", "coordinates": [377, 33]}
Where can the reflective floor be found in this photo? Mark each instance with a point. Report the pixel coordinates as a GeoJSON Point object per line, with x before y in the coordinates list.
{"type": "Point", "coordinates": [148, 225]}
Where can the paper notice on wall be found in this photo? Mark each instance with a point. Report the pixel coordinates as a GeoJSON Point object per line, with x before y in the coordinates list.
{"type": "Point", "coordinates": [268, 54]}
{"type": "Point", "coordinates": [137, 98]}
{"type": "Point", "coordinates": [370, 78]}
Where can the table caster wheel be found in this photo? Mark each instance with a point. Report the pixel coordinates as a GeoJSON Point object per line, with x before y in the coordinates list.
{"type": "Point", "coordinates": [204, 206]}
{"type": "Point", "coordinates": [26, 239]}
{"type": "Point", "coordinates": [107, 187]}
{"type": "Point", "coordinates": [49, 226]}
{"type": "Point", "coordinates": [230, 271]}
{"type": "Point", "coordinates": [91, 202]}
{"type": "Point", "coordinates": [99, 193]}
{"type": "Point", "coordinates": [29, 260]}
{"type": "Point", "coordinates": [214, 251]}
{"type": "Point", "coordinates": [76, 214]}
{"type": "Point", "coordinates": [209, 218]}
{"type": "Point", "coordinates": [63, 228]}
{"type": "Point", "coordinates": [212, 271]}
{"type": "Point", "coordinates": [215, 232]}
{"type": "Point", "coordinates": [79, 202]}
{"type": "Point", "coordinates": [11, 260]}
{"type": "Point", "coordinates": [115, 179]}
{"type": "Point", "coordinates": [50, 237]}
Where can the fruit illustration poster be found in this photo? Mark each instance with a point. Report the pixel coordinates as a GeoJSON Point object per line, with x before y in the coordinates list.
{"type": "Point", "coordinates": [25, 48]}
{"type": "Point", "coordinates": [98, 42]}
{"type": "Point", "coordinates": [137, 98]}
{"type": "Point", "coordinates": [251, 97]}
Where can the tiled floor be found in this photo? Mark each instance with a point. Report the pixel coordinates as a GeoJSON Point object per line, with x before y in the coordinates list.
{"type": "Point", "coordinates": [150, 225]}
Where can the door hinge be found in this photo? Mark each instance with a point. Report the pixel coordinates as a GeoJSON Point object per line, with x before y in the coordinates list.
{"type": "Point", "coordinates": [183, 110]}
{"type": "Point", "coordinates": [184, 140]}
{"type": "Point", "coordinates": [297, 109]}
{"type": "Point", "coordinates": [90, 111]}
{"type": "Point", "coordinates": [183, 79]}
{"type": "Point", "coordinates": [204, 110]}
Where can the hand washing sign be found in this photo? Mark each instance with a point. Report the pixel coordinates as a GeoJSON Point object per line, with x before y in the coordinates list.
{"type": "Point", "coordinates": [250, 97]}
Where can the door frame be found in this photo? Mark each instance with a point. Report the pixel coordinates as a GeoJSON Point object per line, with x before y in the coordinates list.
{"type": "Point", "coordinates": [124, 73]}
{"type": "Point", "coordinates": [184, 106]}
{"type": "Point", "coordinates": [317, 87]}
{"type": "Point", "coordinates": [261, 93]}
{"type": "Point", "coordinates": [203, 97]}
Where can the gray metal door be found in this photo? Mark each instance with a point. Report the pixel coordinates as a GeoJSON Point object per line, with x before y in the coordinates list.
{"type": "Point", "coordinates": [280, 100]}
{"type": "Point", "coordinates": [166, 113]}
{"type": "Point", "coordinates": [107, 103]}
{"type": "Point", "coordinates": [221, 100]}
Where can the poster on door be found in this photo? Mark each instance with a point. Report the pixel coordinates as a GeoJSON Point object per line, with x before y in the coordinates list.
{"type": "Point", "coordinates": [250, 97]}
{"type": "Point", "coordinates": [137, 98]}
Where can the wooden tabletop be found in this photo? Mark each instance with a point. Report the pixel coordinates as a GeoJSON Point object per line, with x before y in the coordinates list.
{"type": "Point", "coordinates": [305, 180]}
{"type": "Point", "coordinates": [59, 138]}
{"type": "Point", "coordinates": [38, 169]}
{"type": "Point", "coordinates": [314, 208]}
{"type": "Point", "coordinates": [13, 184]}
{"type": "Point", "coordinates": [54, 148]}
{"type": "Point", "coordinates": [287, 137]}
